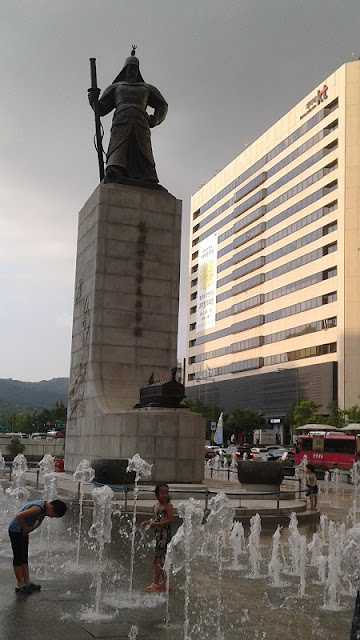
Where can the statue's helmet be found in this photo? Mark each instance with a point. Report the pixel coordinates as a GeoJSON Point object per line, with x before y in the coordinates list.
{"type": "Point", "coordinates": [132, 59]}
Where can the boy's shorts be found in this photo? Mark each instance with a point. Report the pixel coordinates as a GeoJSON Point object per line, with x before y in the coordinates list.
{"type": "Point", "coordinates": [20, 547]}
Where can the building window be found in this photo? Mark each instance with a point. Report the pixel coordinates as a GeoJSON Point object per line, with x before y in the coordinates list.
{"type": "Point", "coordinates": [329, 297]}
{"type": "Point", "coordinates": [332, 106]}
{"type": "Point", "coordinates": [329, 323]}
{"type": "Point", "coordinates": [331, 207]}
{"type": "Point", "coordinates": [329, 273]}
{"type": "Point", "coordinates": [329, 248]}
{"type": "Point", "coordinates": [300, 354]}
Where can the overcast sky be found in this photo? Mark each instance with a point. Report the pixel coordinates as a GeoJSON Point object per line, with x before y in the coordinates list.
{"type": "Point", "coordinates": [229, 69]}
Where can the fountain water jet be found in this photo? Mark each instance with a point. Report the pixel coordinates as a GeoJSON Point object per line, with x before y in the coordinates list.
{"type": "Point", "coordinates": [142, 470]}
{"type": "Point", "coordinates": [219, 522]}
{"type": "Point", "coordinates": [322, 564]}
{"type": "Point", "coordinates": [237, 541]}
{"type": "Point", "coordinates": [335, 481]}
{"type": "Point", "coordinates": [49, 493]}
{"type": "Point", "coordinates": [275, 564]}
{"type": "Point", "coordinates": [326, 485]}
{"type": "Point", "coordinates": [302, 564]}
{"type": "Point", "coordinates": [294, 545]}
{"type": "Point", "coordinates": [83, 473]}
{"type": "Point", "coordinates": [323, 527]}
{"type": "Point", "coordinates": [181, 550]}
{"type": "Point", "coordinates": [18, 485]}
{"type": "Point", "coordinates": [315, 548]}
{"type": "Point", "coordinates": [101, 531]}
{"type": "Point", "coordinates": [331, 595]}
{"type": "Point", "coordinates": [254, 546]}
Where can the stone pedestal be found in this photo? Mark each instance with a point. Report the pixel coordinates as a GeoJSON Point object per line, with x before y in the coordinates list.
{"type": "Point", "coordinates": [125, 328]}
{"type": "Point", "coordinates": [172, 440]}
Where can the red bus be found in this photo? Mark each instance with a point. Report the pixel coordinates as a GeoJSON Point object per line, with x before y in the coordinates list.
{"type": "Point", "coordinates": [329, 448]}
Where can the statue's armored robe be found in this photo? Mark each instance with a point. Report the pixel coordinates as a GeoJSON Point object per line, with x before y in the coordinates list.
{"type": "Point", "coordinates": [130, 143]}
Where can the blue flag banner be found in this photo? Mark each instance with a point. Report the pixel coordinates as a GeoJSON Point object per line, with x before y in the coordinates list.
{"type": "Point", "coordinates": [218, 436]}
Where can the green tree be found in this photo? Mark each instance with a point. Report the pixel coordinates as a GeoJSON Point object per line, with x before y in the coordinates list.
{"type": "Point", "coordinates": [336, 417]}
{"type": "Point", "coordinates": [243, 421]}
{"type": "Point", "coordinates": [16, 446]}
{"type": "Point", "coordinates": [60, 411]}
{"type": "Point", "coordinates": [306, 412]}
{"type": "Point", "coordinates": [208, 411]}
{"type": "Point", "coordinates": [353, 414]}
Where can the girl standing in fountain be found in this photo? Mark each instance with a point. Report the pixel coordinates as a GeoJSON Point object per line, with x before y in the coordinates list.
{"type": "Point", "coordinates": [312, 486]}
{"type": "Point", "coordinates": [163, 517]}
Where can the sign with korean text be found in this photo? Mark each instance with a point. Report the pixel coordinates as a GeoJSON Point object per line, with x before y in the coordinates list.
{"type": "Point", "coordinates": [207, 269]}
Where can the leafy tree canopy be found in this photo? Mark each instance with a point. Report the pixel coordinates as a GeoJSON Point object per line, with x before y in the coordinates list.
{"type": "Point", "coordinates": [306, 412]}
{"type": "Point", "coordinates": [208, 411]}
{"type": "Point", "coordinates": [353, 414]}
{"type": "Point", "coordinates": [39, 420]}
{"type": "Point", "coordinates": [336, 417]}
{"type": "Point", "coordinates": [243, 421]}
{"type": "Point", "coordinates": [16, 446]}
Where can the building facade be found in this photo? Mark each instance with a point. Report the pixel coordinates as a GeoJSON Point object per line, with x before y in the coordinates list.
{"type": "Point", "coordinates": [275, 263]}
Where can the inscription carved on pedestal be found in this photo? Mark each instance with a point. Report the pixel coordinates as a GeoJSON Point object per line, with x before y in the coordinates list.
{"type": "Point", "coordinates": [76, 408]}
{"type": "Point", "coordinates": [140, 252]}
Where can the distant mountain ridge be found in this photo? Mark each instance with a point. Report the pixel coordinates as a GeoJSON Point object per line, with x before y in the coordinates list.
{"type": "Point", "coordinates": [27, 396]}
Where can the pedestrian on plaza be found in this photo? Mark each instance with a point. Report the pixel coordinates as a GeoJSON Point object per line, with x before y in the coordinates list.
{"type": "Point", "coordinates": [27, 520]}
{"type": "Point", "coordinates": [312, 486]}
{"type": "Point", "coordinates": [161, 523]}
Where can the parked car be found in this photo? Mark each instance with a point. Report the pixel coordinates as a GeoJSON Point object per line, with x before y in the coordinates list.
{"type": "Point", "coordinates": [232, 448]}
{"type": "Point", "coordinates": [244, 451]}
{"type": "Point", "coordinates": [55, 434]}
{"type": "Point", "coordinates": [211, 451]}
{"type": "Point", "coordinates": [269, 447]}
{"type": "Point", "coordinates": [38, 436]}
{"type": "Point", "coordinates": [60, 434]}
{"type": "Point", "coordinates": [276, 454]}
{"type": "Point", "coordinates": [258, 452]}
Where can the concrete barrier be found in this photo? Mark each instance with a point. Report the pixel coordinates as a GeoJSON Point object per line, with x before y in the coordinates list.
{"type": "Point", "coordinates": [34, 449]}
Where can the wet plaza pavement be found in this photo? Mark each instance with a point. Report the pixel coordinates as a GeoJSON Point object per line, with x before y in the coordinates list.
{"type": "Point", "coordinates": [225, 603]}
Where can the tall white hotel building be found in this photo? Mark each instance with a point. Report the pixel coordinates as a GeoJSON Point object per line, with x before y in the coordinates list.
{"type": "Point", "coordinates": [274, 309]}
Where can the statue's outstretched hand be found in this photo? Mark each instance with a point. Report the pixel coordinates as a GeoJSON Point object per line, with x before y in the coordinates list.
{"type": "Point", "coordinates": [93, 95]}
{"type": "Point", "coordinates": [152, 121]}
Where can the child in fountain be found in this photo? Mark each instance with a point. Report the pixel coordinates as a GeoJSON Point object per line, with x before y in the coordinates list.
{"type": "Point", "coordinates": [163, 517]}
{"type": "Point", "coordinates": [312, 486]}
{"type": "Point", "coordinates": [27, 520]}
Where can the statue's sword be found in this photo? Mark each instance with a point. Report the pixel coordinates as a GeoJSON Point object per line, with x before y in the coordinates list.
{"type": "Point", "coordinates": [98, 128]}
